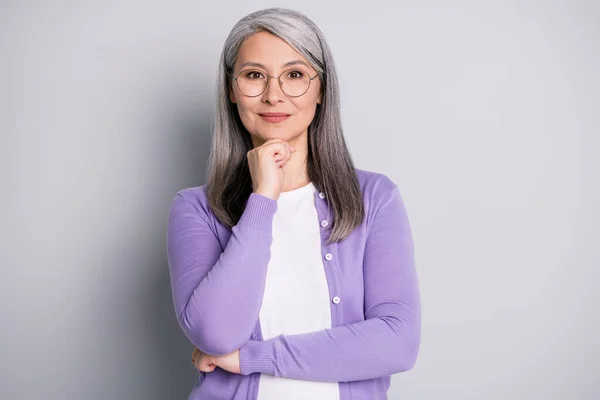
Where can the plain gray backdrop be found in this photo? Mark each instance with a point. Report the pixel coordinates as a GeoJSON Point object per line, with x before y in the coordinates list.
{"type": "Point", "coordinates": [486, 115]}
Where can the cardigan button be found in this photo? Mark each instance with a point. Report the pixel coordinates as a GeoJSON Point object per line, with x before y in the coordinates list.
{"type": "Point", "coordinates": [324, 223]}
{"type": "Point", "coordinates": [328, 256]}
{"type": "Point", "coordinates": [336, 300]}
{"type": "Point", "coordinates": [321, 195]}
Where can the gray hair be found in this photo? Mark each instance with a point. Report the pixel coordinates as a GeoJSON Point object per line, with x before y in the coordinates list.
{"type": "Point", "coordinates": [329, 163]}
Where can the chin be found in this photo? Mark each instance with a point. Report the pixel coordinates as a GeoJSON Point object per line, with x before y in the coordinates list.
{"type": "Point", "coordinates": [274, 135]}
{"type": "Point", "coordinates": [271, 132]}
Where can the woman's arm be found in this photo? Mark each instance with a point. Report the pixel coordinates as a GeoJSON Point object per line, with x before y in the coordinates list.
{"type": "Point", "coordinates": [385, 343]}
{"type": "Point", "coordinates": [217, 293]}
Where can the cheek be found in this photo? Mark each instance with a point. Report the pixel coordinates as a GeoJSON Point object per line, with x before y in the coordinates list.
{"type": "Point", "coordinates": [306, 109]}
{"type": "Point", "coordinates": [245, 110]}
{"type": "Point", "coordinates": [247, 116]}
{"type": "Point", "coordinates": [307, 104]}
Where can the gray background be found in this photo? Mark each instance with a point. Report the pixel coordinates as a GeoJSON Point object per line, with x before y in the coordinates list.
{"type": "Point", "coordinates": [486, 114]}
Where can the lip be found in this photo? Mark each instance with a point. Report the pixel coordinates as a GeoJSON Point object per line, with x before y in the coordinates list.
{"type": "Point", "coordinates": [274, 117]}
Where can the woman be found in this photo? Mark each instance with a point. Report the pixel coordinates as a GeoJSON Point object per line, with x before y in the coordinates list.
{"type": "Point", "coordinates": [292, 271]}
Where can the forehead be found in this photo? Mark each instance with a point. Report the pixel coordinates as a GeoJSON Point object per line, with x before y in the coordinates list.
{"type": "Point", "coordinates": [267, 49]}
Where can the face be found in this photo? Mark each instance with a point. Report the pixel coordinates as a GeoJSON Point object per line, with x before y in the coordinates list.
{"type": "Point", "coordinates": [262, 55]}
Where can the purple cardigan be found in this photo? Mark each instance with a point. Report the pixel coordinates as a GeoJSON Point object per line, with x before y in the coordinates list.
{"type": "Point", "coordinates": [218, 280]}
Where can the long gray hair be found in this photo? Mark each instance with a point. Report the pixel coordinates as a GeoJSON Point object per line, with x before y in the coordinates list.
{"type": "Point", "coordinates": [330, 166]}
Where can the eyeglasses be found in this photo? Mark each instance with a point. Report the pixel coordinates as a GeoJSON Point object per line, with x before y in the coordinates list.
{"type": "Point", "coordinates": [292, 82]}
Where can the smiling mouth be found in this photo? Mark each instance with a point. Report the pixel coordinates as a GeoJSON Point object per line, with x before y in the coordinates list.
{"type": "Point", "coordinates": [274, 118]}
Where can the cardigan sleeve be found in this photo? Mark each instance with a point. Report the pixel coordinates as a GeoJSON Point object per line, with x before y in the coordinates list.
{"type": "Point", "coordinates": [217, 292]}
{"type": "Point", "coordinates": [386, 342]}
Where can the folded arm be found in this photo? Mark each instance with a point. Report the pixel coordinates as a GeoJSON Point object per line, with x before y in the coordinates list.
{"type": "Point", "coordinates": [386, 342]}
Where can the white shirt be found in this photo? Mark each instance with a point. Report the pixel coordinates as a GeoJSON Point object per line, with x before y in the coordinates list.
{"type": "Point", "coordinates": [296, 297]}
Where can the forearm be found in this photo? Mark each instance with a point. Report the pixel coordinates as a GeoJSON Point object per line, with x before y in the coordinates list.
{"type": "Point", "coordinates": [367, 349]}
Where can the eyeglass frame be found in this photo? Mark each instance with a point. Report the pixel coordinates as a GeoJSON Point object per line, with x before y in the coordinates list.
{"type": "Point", "coordinates": [235, 78]}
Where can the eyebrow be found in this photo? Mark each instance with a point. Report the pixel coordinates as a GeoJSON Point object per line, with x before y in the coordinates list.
{"type": "Point", "coordinates": [287, 64]}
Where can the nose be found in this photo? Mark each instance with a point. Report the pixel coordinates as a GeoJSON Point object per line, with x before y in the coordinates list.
{"type": "Point", "coordinates": [273, 92]}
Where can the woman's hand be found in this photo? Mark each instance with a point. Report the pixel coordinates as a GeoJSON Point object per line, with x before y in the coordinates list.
{"type": "Point", "coordinates": [207, 363]}
{"type": "Point", "coordinates": [266, 164]}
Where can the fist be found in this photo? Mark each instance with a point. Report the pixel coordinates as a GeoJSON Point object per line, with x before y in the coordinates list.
{"type": "Point", "coordinates": [207, 363]}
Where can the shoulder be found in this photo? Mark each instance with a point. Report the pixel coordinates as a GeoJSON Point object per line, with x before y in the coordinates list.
{"type": "Point", "coordinates": [375, 185]}
{"type": "Point", "coordinates": [195, 194]}
{"type": "Point", "coordinates": [193, 199]}
{"type": "Point", "coordinates": [379, 192]}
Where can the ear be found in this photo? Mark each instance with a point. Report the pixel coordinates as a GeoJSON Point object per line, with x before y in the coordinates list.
{"type": "Point", "coordinates": [320, 98]}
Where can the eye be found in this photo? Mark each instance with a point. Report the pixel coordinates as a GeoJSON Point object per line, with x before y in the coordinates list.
{"type": "Point", "coordinates": [296, 75]}
{"type": "Point", "coordinates": [253, 75]}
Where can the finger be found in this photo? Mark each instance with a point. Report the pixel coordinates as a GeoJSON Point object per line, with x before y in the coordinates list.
{"type": "Point", "coordinates": [288, 146]}
{"type": "Point", "coordinates": [207, 368]}
{"type": "Point", "coordinates": [274, 140]}
{"type": "Point", "coordinates": [273, 144]}
{"type": "Point", "coordinates": [281, 163]}
{"type": "Point", "coordinates": [287, 158]}
{"type": "Point", "coordinates": [278, 148]}
{"type": "Point", "coordinates": [197, 358]}
{"type": "Point", "coordinates": [203, 363]}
